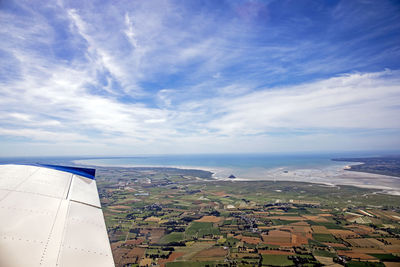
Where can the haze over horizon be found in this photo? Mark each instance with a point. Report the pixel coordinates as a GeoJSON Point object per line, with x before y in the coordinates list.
{"type": "Point", "coordinates": [160, 77]}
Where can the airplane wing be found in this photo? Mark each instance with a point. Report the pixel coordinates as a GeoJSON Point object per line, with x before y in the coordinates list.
{"type": "Point", "coordinates": [51, 216]}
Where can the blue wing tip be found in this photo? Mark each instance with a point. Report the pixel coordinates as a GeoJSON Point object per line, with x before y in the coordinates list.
{"type": "Point", "coordinates": [85, 172]}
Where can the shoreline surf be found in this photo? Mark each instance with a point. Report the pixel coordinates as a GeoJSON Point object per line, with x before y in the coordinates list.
{"type": "Point", "coordinates": [331, 175]}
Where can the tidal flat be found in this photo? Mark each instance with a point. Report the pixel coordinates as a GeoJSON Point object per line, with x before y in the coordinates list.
{"type": "Point", "coordinates": [381, 173]}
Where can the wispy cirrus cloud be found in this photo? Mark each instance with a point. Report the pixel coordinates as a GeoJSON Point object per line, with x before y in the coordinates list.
{"type": "Point", "coordinates": [177, 77]}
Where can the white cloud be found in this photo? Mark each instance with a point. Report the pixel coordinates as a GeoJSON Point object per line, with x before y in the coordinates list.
{"type": "Point", "coordinates": [266, 119]}
{"type": "Point", "coordinates": [352, 101]}
{"type": "Point", "coordinates": [97, 102]}
{"type": "Point", "coordinates": [130, 33]}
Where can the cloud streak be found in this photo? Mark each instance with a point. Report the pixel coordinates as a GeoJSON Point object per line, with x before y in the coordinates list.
{"type": "Point", "coordinates": [171, 77]}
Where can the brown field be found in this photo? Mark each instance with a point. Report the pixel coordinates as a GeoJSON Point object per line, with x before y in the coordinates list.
{"type": "Point", "coordinates": [145, 262]}
{"type": "Point", "coordinates": [385, 214]}
{"type": "Point", "coordinates": [212, 253]}
{"type": "Point", "coordinates": [393, 215]}
{"type": "Point", "coordinates": [360, 242]}
{"type": "Point", "coordinates": [173, 256]}
{"type": "Point", "coordinates": [379, 233]}
{"type": "Point", "coordinates": [114, 211]}
{"type": "Point", "coordinates": [135, 241]}
{"type": "Point", "coordinates": [123, 256]}
{"type": "Point", "coordinates": [127, 261]}
{"type": "Point", "coordinates": [152, 219]}
{"type": "Point", "coordinates": [368, 250]}
{"type": "Point", "coordinates": [118, 253]}
{"type": "Point", "coordinates": [315, 218]}
{"type": "Point", "coordinates": [342, 233]}
{"type": "Point", "coordinates": [156, 236]}
{"type": "Point", "coordinates": [360, 229]}
{"type": "Point", "coordinates": [220, 194]}
{"type": "Point", "coordinates": [119, 207]}
{"type": "Point", "coordinates": [320, 229]}
{"type": "Point", "coordinates": [391, 264]}
{"type": "Point", "coordinates": [298, 240]}
{"type": "Point", "coordinates": [392, 249]}
{"type": "Point", "coordinates": [250, 240]}
{"type": "Point", "coordinates": [115, 245]}
{"type": "Point", "coordinates": [356, 255]}
{"type": "Point", "coordinates": [270, 227]}
{"type": "Point", "coordinates": [393, 241]}
{"type": "Point", "coordinates": [277, 237]}
{"type": "Point", "coordinates": [155, 233]}
{"type": "Point", "coordinates": [212, 219]}
{"type": "Point", "coordinates": [136, 252]}
{"type": "Point", "coordinates": [365, 242]}
{"type": "Point", "coordinates": [325, 215]}
{"type": "Point", "coordinates": [327, 261]}
{"type": "Point", "coordinates": [300, 234]}
{"type": "Point", "coordinates": [301, 229]}
{"type": "Point", "coordinates": [377, 242]}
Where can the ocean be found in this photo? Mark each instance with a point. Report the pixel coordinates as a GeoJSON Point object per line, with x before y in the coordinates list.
{"type": "Point", "coordinates": [242, 166]}
{"type": "Point", "coordinates": [234, 161]}
{"type": "Point", "coordinates": [314, 168]}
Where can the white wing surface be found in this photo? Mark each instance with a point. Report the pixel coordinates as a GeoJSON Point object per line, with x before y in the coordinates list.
{"type": "Point", "coordinates": [51, 216]}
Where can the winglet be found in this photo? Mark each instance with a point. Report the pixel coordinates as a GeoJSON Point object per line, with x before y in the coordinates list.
{"type": "Point", "coordinates": [85, 172]}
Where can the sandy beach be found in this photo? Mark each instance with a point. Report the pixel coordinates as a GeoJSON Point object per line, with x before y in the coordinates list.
{"type": "Point", "coordinates": [333, 175]}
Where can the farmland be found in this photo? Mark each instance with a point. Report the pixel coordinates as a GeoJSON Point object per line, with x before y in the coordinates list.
{"type": "Point", "coordinates": [172, 217]}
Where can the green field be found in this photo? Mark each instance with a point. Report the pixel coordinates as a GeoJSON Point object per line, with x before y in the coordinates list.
{"type": "Point", "coordinates": [329, 225]}
{"type": "Point", "coordinates": [177, 201]}
{"type": "Point", "coordinates": [364, 264]}
{"type": "Point", "coordinates": [201, 229]}
{"type": "Point", "coordinates": [323, 253]}
{"type": "Point", "coordinates": [172, 237]}
{"type": "Point", "coordinates": [386, 257]}
{"type": "Point", "coordinates": [324, 238]}
{"type": "Point", "coordinates": [276, 260]}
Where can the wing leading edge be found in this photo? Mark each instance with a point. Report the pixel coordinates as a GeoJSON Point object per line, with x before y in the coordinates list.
{"type": "Point", "coordinates": [51, 216]}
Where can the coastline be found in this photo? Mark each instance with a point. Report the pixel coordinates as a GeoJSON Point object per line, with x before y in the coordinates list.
{"type": "Point", "coordinates": [334, 175]}
{"type": "Point", "coordinates": [389, 165]}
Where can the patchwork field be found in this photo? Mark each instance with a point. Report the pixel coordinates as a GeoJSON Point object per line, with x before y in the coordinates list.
{"type": "Point", "coordinates": [171, 217]}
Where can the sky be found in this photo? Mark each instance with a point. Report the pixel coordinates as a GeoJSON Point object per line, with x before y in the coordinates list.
{"type": "Point", "coordinates": [192, 76]}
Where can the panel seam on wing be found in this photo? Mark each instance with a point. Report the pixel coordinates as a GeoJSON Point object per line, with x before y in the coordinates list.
{"type": "Point", "coordinates": [28, 210]}
{"type": "Point", "coordinates": [63, 233]}
{"type": "Point", "coordinates": [87, 204]}
{"type": "Point", "coordinates": [14, 238]}
{"type": "Point", "coordinates": [69, 187]}
{"type": "Point", "coordinates": [27, 192]}
{"type": "Point", "coordinates": [50, 234]}
{"type": "Point", "coordinates": [14, 189]}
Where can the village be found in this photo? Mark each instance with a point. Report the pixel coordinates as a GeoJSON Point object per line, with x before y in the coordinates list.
{"type": "Point", "coordinates": [171, 217]}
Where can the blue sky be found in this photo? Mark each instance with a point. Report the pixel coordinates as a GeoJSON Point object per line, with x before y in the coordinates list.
{"type": "Point", "coordinates": [137, 77]}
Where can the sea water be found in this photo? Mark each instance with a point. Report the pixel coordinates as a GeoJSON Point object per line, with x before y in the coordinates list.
{"type": "Point", "coordinates": [315, 168]}
{"type": "Point", "coordinates": [246, 166]}
{"type": "Point", "coordinates": [242, 161]}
